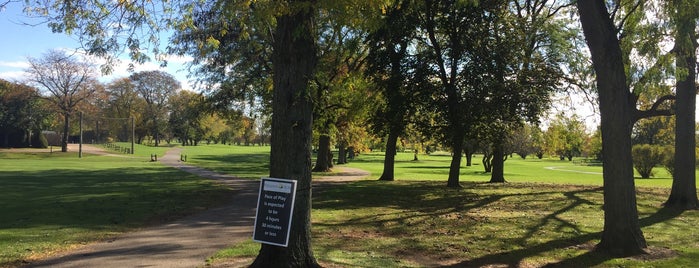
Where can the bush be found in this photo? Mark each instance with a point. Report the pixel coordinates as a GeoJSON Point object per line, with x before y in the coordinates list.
{"type": "Point", "coordinates": [39, 140]}
{"type": "Point", "coordinates": [669, 159]}
{"type": "Point", "coordinates": [645, 158]}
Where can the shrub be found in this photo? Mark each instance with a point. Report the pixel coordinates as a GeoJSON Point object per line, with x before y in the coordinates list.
{"type": "Point", "coordinates": [39, 140]}
{"type": "Point", "coordinates": [669, 159]}
{"type": "Point", "coordinates": [645, 158]}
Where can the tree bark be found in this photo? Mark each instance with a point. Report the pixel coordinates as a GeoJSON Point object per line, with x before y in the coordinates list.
{"type": "Point", "coordinates": [622, 234]}
{"type": "Point", "coordinates": [323, 158]}
{"type": "Point", "coordinates": [498, 164]}
{"type": "Point", "coordinates": [66, 131]}
{"type": "Point", "coordinates": [684, 187]}
{"type": "Point", "coordinates": [468, 152]}
{"type": "Point", "coordinates": [456, 148]}
{"type": "Point", "coordinates": [294, 59]}
{"type": "Point", "coordinates": [390, 157]}
{"type": "Point", "coordinates": [342, 154]}
{"type": "Point", "coordinates": [487, 160]}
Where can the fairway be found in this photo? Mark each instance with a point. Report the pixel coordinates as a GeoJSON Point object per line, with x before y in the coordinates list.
{"type": "Point", "coordinates": [55, 202]}
{"type": "Point", "coordinates": [549, 212]}
{"type": "Point", "coordinates": [435, 167]}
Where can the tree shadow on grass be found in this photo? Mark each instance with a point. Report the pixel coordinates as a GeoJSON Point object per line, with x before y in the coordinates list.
{"type": "Point", "coordinates": [413, 204]}
{"type": "Point", "coordinates": [590, 258]}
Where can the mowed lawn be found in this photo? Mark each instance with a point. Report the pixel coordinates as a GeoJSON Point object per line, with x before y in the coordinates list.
{"type": "Point", "coordinates": [549, 212]}
{"type": "Point", "coordinates": [54, 202]}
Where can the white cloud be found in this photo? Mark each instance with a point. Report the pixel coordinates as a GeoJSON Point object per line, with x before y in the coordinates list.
{"type": "Point", "coordinates": [14, 64]}
{"type": "Point", "coordinates": [15, 76]}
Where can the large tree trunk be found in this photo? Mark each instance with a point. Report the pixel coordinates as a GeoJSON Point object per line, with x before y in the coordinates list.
{"type": "Point", "coordinates": [622, 234]}
{"type": "Point", "coordinates": [684, 187]}
{"type": "Point", "coordinates": [66, 132]}
{"type": "Point", "coordinates": [456, 148]}
{"type": "Point", "coordinates": [323, 160]}
{"type": "Point", "coordinates": [498, 167]}
{"type": "Point", "coordinates": [294, 58]}
{"type": "Point", "coordinates": [390, 157]}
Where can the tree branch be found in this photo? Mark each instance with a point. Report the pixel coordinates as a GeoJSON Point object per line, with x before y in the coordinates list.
{"type": "Point", "coordinates": [654, 110]}
{"type": "Point", "coordinates": [623, 20]}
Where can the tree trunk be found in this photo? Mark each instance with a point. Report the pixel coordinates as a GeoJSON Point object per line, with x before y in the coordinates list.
{"type": "Point", "coordinates": [342, 154]}
{"type": "Point", "coordinates": [294, 58]}
{"type": "Point", "coordinates": [323, 158]}
{"type": "Point", "coordinates": [487, 160]}
{"type": "Point", "coordinates": [351, 152]}
{"type": "Point", "coordinates": [684, 187]}
{"type": "Point", "coordinates": [498, 164]}
{"type": "Point", "coordinates": [469, 155]}
{"type": "Point", "coordinates": [390, 157]}
{"type": "Point", "coordinates": [622, 234]}
{"type": "Point", "coordinates": [66, 132]}
{"type": "Point", "coordinates": [456, 148]}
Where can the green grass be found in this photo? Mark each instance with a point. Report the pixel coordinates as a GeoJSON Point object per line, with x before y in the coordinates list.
{"type": "Point", "coordinates": [423, 224]}
{"type": "Point", "coordinates": [549, 213]}
{"type": "Point", "coordinates": [250, 162]}
{"type": "Point", "coordinates": [542, 216]}
{"type": "Point", "coordinates": [53, 202]}
{"type": "Point", "coordinates": [548, 170]}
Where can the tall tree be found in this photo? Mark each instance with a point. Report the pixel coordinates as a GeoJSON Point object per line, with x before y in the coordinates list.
{"type": "Point", "coordinates": [294, 60]}
{"type": "Point", "coordinates": [388, 66]}
{"type": "Point", "coordinates": [524, 77]}
{"type": "Point", "coordinates": [123, 103]}
{"type": "Point", "coordinates": [155, 87]}
{"type": "Point", "coordinates": [685, 14]}
{"type": "Point", "coordinates": [341, 57]}
{"type": "Point", "coordinates": [622, 235]}
{"type": "Point", "coordinates": [67, 82]}
{"type": "Point", "coordinates": [446, 25]}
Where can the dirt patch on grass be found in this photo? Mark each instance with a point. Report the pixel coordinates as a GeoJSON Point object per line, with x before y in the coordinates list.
{"type": "Point", "coordinates": [656, 253]}
{"type": "Point", "coordinates": [246, 261]}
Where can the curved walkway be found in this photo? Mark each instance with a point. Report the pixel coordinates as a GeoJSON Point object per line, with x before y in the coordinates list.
{"type": "Point", "coordinates": [188, 241]}
{"type": "Point", "coordinates": [574, 171]}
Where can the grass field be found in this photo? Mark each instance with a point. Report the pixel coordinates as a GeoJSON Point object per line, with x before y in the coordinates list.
{"type": "Point", "coordinates": [549, 212]}
{"type": "Point", "coordinates": [253, 162]}
{"type": "Point", "coordinates": [53, 202]}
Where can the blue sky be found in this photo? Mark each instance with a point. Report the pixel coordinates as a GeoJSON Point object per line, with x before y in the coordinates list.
{"type": "Point", "coordinates": [21, 41]}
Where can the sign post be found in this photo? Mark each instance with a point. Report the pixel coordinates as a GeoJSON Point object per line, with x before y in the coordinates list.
{"type": "Point", "coordinates": [275, 207]}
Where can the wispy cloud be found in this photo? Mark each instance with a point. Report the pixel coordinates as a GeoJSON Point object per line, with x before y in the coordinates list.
{"type": "Point", "coordinates": [14, 64]}
{"type": "Point", "coordinates": [14, 76]}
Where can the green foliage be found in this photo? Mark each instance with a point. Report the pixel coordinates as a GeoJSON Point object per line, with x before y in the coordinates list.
{"type": "Point", "coordinates": [645, 158]}
{"type": "Point", "coordinates": [669, 159]}
{"type": "Point", "coordinates": [656, 130]}
{"type": "Point", "coordinates": [565, 136]}
{"type": "Point", "coordinates": [22, 111]}
{"type": "Point", "coordinates": [596, 144]}
{"type": "Point", "coordinates": [39, 140]}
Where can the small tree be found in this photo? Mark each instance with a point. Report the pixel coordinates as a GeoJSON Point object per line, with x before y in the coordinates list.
{"type": "Point", "coordinates": [645, 158]}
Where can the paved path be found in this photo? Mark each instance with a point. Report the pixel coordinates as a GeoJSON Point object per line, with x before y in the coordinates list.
{"type": "Point", "coordinates": [188, 241]}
